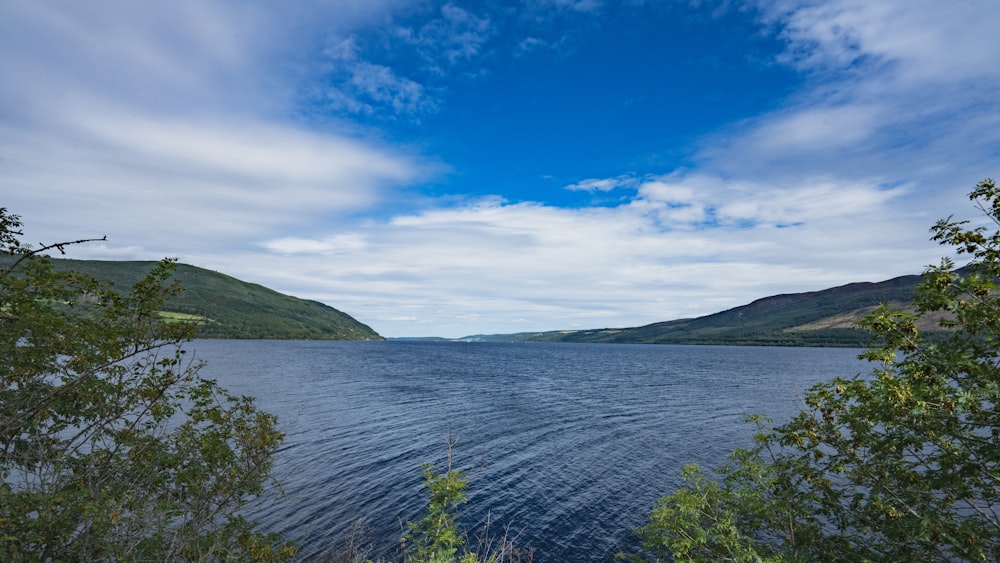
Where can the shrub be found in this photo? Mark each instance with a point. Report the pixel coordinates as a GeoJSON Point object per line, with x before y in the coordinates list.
{"type": "Point", "coordinates": [111, 445]}
{"type": "Point", "coordinates": [902, 465]}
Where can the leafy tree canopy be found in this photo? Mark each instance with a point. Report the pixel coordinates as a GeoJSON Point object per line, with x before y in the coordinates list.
{"type": "Point", "coordinates": [899, 465]}
{"type": "Point", "coordinates": [111, 445]}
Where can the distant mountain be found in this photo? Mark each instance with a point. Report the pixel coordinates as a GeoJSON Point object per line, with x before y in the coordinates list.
{"type": "Point", "coordinates": [226, 307]}
{"type": "Point", "coordinates": [817, 318]}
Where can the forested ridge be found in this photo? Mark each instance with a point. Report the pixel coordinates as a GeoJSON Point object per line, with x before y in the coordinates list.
{"type": "Point", "coordinates": [818, 318]}
{"type": "Point", "coordinates": [225, 307]}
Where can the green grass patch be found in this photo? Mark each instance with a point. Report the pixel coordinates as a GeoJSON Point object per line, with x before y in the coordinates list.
{"type": "Point", "coordinates": [175, 317]}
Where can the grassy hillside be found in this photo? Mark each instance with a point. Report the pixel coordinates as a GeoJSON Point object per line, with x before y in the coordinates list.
{"type": "Point", "coordinates": [229, 308]}
{"type": "Point", "coordinates": [817, 318]}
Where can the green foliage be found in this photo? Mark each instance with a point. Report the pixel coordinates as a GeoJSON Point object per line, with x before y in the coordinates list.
{"type": "Point", "coordinates": [229, 308]}
{"type": "Point", "coordinates": [902, 465]}
{"type": "Point", "coordinates": [436, 537]}
{"type": "Point", "coordinates": [111, 445]}
{"type": "Point", "coordinates": [714, 520]}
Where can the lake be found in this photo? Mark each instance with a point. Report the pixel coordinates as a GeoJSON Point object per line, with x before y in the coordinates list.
{"type": "Point", "coordinates": [568, 445]}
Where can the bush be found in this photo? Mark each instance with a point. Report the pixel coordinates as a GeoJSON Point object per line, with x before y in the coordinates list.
{"type": "Point", "coordinates": [111, 445]}
{"type": "Point", "coordinates": [902, 465]}
{"type": "Point", "coordinates": [437, 538]}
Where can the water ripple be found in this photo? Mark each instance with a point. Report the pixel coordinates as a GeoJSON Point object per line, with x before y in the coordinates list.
{"type": "Point", "coordinates": [570, 445]}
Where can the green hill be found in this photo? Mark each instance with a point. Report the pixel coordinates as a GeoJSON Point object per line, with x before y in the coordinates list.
{"type": "Point", "coordinates": [226, 307]}
{"type": "Point", "coordinates": [817, 318]}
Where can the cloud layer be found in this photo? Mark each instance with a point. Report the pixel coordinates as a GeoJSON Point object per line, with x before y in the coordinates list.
{"type": "Point", "coordinates": [201, 130]}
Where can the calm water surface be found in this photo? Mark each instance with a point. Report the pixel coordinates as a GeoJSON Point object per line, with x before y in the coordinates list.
{"type": "Point", "coordinates": [568, 444]}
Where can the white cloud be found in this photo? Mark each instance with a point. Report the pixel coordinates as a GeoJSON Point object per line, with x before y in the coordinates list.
{"type": "Point", "coordinates": [816, 129]}
{"type": "Point", "coordinates": [329, 246]}
{"type": "Point", "coordinates": [456, 37]}
{"type": "Point", "coordinates": [584, 6]}
{"type": "Point", "coordinates": [367, 88]}
{"type": "Point", "coordinates": [104, 130]}
{"type": "Point", "coordinates": [604, 184]}
{"type": "Point", "coordinates": [528, 266]}
{"type": "Point", "coordinates": [159, 126]}
{"type": "Point", "coordinates": [102, 48]}
{"type": "Point", "coordinates": [668, 192]}
{"type": "Point", "coordinates": [894, 92]}
{"type": "Point", "coordinates": [530, 44]}
{"type": "Point", "coordinates": [205, 183]}
{"type": "Point", "coordinates": [698, 200]}
{"type": "Point", "coordinates": [382, 86]}
{"type": "Point", "coordinates": [921, 40]}
{"type": "Point", "coordinates": [449, 41]}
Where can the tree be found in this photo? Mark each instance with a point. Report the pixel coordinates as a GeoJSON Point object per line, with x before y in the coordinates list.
{"type": "Point", "coordinates": [111, 444]}
{"type": "Point", "coordinates": [899, 465]}
{"type": "Point", "coordinates": [436, 536]}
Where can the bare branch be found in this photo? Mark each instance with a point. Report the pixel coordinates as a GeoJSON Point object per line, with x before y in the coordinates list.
{"type": "Point", "coordinates": [60, 246]}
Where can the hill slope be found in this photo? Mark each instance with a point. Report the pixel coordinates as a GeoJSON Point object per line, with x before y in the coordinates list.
{"type": "Point", "coordinates": [229, 308]}
{"type": "Point", "coordinates": [817, 318]}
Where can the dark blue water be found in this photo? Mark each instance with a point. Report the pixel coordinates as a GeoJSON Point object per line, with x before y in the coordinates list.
{"type": "Point", "coordinates": [568, 445]}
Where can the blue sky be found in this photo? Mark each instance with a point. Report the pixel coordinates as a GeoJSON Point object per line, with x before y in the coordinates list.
{"type": "Point", "coordinates": [452, 168]}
